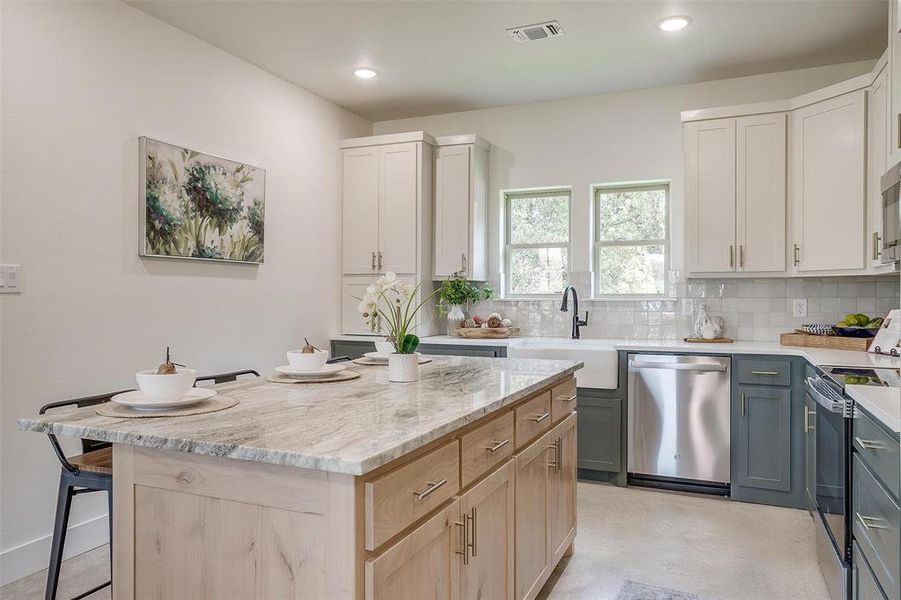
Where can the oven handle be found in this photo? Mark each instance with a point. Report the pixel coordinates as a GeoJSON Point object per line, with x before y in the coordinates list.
{"type": "Point", "coordinates": [836, 406]}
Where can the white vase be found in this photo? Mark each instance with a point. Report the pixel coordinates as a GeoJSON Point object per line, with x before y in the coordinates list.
{"type": "Point", "coordinates": [455, 318]}
{"type": "Point", "coordinates": [403, 368]}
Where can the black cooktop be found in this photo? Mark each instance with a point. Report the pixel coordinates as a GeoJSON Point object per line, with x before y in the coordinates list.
{"type": "Point", "coordinates": [855, 376]}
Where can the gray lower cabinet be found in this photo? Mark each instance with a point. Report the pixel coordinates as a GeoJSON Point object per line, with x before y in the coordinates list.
{"type": "Point", "coordinates": [769, 437]}
{"type": "Point", "coordinates": [863, 581]}
{"type": "Point", "coordinates": [599, 432]}
{"type": "Point", "coordinates": [876, 526]}
{"type": "Point", "coordinates": [763, 438]}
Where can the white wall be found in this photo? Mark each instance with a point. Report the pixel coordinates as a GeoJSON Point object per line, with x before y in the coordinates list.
{"type": "Point", "coordinates": [625, 136]}
{"type": "Point", "coordinates": [80, 82]}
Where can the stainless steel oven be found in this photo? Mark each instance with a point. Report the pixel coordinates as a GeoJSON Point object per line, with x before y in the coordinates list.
{"type": "Point", "coordinates": [891, 216]}
{"type": "Point", "coordinates": [833, 476]}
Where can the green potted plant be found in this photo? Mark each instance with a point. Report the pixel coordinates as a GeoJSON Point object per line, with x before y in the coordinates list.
{"type": "Point", "coordinates": [389, 306]}
{"type": "Point", "coordinates": [453, 294]}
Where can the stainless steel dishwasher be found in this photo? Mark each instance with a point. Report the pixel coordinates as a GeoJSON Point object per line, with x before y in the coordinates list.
{"type": "Point", "coordinates": [679, 421]}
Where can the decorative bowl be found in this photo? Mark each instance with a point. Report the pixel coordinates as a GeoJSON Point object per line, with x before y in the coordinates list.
{"type": "Point", "coordinates": [310, 362]}
{"type": "Point", "coordinates": [817, 329]}
{"type": "Point", "coordinates": [857, 332]}
{"type": "Point", "coordinates": [384, 347]}
{"type": "Point", "coordinates": [166, 388]}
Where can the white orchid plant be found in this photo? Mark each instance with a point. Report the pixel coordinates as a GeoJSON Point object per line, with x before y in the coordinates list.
{"type": "Point", "coordinates": [389, 307]}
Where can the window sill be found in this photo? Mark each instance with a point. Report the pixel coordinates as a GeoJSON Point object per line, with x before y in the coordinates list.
{"type": "Point", "coordinates": [527, 298]}
{"type": "Point", "coordinates": [631, 299]}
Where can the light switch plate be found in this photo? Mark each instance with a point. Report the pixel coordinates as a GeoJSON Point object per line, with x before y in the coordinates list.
{"type": "Point", "coordinates": [10, 279]}
{"type": "Point", "coordinates": [799, 307]}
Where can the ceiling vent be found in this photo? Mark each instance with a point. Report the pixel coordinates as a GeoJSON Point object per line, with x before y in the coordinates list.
{"type": "Point", "coordinates": [538, 31]}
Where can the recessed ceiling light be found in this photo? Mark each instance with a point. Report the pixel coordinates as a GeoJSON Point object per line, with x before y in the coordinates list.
{"type": "Point", "coordinates": [365, 73]}
{"type": "Point", "coordinates": [673, 24]}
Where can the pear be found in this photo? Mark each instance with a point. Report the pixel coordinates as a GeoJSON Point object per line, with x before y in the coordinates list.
{"type": "Point", "coordinates": [308, 348]}
{"type": "Point", "coordinates": [168, 367]}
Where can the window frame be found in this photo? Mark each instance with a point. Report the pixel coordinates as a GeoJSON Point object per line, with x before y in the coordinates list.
{"type": "Point", "coordinates": [596, 191]}
{"type": "Point", "coordinates": [508, 247]}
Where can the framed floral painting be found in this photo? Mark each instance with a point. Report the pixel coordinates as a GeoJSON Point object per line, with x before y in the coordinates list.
{"type": "Point", "coordinates": [199, 206]}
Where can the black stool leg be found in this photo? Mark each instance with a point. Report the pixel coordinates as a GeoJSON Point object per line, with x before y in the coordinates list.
{"type": "Point", "coordinates": [63, 504]}
{"type": "Point", "coordinates": [109, 495]}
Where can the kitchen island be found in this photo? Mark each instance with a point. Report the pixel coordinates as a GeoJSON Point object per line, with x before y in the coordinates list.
{"type": "Point", "coordinates": [460, 485]}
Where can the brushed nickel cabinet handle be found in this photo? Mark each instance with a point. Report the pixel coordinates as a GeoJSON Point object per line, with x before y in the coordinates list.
{"type": "Point", "coordinates": [558, 454]}
{"type": "Point", "coordinates": [741, 256]}
{"type": "Point", "coordinates": [553, 464]}
{"type": "Point", "coordinates": [807, 414]}
{"type": "Point", "coordinates": [767, 373]}
{"type": "Point", "coordinates": [474, 537]}
{"type": "Point", "coordinates": [731, 255]}
{"type": "Point", "coordinates": [741, 409]}
{"type": "Point", "coordinates": [867, 522]}
{"type": "Point", "coordinates": [463, 261]}
{"type": "Point", "coordinates": [465, 540]}
{"type": "Point", "coordinates": [497, 445]}
{"type": "Point", "coordinates": [796, 254]}
{"type": "Point", "coordinates": [373, 261]}
{"type": "Point", "coordinates": [539, 418]}
{"type": "Point", "coordinates": [869, 444]}
{"type": "Point", "coordinates": [570, 399]}
{"type": "Point", "coordinates": [380, 260]}
{"type": "Point", "coordinates": [428, 491]}
{"type": "Point", "coordinates": [877, 251]}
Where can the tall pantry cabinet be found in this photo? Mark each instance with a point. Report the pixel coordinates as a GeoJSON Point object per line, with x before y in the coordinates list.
{"type": "Point", "coordinates": [387, 219]}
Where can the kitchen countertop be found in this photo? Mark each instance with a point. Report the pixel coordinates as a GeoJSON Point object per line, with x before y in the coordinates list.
{"type": "Point", "coordinates": [350, 427]}
{"type": "Point", "coordinates": [884, 403]}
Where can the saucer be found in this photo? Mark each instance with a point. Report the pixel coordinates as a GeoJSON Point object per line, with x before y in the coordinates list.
{"type": "Point", "coordinates": [139, 400]}
{"type": "Point", "coordinates": [298, 372]}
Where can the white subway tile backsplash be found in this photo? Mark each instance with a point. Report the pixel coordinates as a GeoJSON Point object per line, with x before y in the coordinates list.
{"type": "Point", "coordinates": [754, 309]}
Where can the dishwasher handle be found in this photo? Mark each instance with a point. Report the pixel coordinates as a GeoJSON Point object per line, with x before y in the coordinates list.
{"type": "Point", "coordinates": [703, 367]}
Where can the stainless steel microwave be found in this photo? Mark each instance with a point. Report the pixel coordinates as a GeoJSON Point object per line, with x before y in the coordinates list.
{"type": "Point", "coordinates": [891, 215]}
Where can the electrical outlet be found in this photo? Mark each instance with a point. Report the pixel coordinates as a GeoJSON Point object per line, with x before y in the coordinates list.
{"type": "Point", "coordinates": [799, 307]}
{"type": "Point", "coordinates": [10, 279]}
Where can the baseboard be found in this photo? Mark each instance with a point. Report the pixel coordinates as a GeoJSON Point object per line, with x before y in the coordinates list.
{"type": "Point", "coordinates": [23, 560]}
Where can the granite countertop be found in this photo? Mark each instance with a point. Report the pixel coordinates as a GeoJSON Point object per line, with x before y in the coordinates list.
{"type": "Point", "coordinates": [349, 427]}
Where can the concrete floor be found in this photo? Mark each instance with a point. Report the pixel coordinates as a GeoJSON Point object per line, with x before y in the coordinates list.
{"type": "Point", "coordinates": [689, 544]}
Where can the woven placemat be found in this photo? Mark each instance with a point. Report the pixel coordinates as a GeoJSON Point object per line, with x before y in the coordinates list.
{"type": "Point", "coordinates": [340, 376]}
{"type": "Point", "coordinates": [214, 404]}
{"type": "Point", "coordinates": [374, 363]}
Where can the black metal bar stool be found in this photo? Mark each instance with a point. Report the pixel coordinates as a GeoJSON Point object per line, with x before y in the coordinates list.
{"type": "Point", "coordinates": [226, 377]}
{"type": "Point", "coordinates": [90, 471]}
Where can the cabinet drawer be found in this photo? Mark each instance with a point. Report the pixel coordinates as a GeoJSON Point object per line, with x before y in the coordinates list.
{"type": "Point", "coordinates": [877, 527]}
{"type": "Point", "coordinates": [764, 372]}
{"type": "Point", "coordinates": [533, 418]}
{"type": "Point", "coordinates": [863, 584]}
{"type": "Point", "coordinates": [486, 446]}
{"type": "Point", "coordinates": [879, 451]}
{"type": "Point", "coordinates": [400, 497]}
{"type": "Point", "coordinates": [563, 399]}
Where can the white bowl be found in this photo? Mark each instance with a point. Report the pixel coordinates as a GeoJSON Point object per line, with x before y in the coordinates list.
{"type": "Point", "coordinates": [384, 347]}
{"type": "Point", "coordinates": [166, 388]}
{"type": "Point", "coordinates": [308, 362]}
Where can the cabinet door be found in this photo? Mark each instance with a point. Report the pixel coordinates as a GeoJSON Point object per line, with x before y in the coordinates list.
{"type": "Point", "coordinates": [453, 187]}
{"type": "Point", "coordinates": [353, 287]}
{"type": "Point", "coordinates": [600, 434]}
{"type": "Point", "coordinates": [877, 163]}
{"type": "Point", "coordinates": [763, 440]}
{"type": "Point", "coordinates": [423, 564]}
{"type": "Point", "coordinates": [710, 195]}
{"type": "Point", "coordinates": [531, 518]}
{"type": "Point", "coordinates": [398, 176]}
{"type": "Point", "coordinates": [361, 210]}
{"type": "Point", "coordinates": [487, 513]}
{"type": "Point", "coordinates": [810, 448]}
{"type": "Point", "coordinates": [561, 507]}
{"type": "Point", "coordinates": [828, 158]}
{"type": "Point", "coordinates": [760, 193]}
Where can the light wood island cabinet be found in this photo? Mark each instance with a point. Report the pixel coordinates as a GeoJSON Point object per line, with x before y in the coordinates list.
{"type": "Point", "coordinates": [474, 513]}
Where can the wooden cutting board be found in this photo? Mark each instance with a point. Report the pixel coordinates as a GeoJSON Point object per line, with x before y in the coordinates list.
{"type": "Point", "coordinates": [830, 342]}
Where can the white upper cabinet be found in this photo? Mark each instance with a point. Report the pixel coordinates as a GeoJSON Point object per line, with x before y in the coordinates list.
{"type": "Point", "coordinates": [397, 207]}
{"type": "Point", "coordinates": [461, 207]}
{"type": "Point", "coordinates": [361, 210]}
{"type": "Point", "coordinates": [878, 124]}
{"type": "Point", "coordinates": [710, 195]}
{"type": "Point", "coordinates": [828, 175]}
{"type": "Point", "coordinates": [760, 193]}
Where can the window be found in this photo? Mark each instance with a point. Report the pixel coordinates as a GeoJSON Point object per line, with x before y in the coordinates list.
{"type": "Point", "coordinates": [537, 242]}
{"type": "Point", "coordinates": [631, 239]}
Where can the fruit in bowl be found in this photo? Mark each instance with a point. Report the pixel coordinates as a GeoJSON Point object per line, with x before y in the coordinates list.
{"type": "Point", "coordinates": [169, 381]}
{"type": "Point", "coordinates": [858, 325]}
{"type": "Point", "coordinates": [308, 358]}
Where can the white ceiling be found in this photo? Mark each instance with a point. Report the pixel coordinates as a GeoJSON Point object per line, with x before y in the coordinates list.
{"type": "Point", "coordinates": [446, 56]}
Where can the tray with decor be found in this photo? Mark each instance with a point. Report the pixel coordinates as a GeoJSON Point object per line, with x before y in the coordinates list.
{"type": "Point", "coordinates": [832, 342]}
{"type": "Point", "coordinates": [487, 333]}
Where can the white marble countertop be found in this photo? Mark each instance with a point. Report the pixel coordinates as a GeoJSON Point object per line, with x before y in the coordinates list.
{"type": "Point", "coordinates": [884, 403]}
{"type": "Point", "coordinates": [349, 427]}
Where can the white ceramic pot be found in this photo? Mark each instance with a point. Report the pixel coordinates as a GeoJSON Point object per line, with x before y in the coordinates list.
{"type": "Point", "coordinates": [384, 347]}
{"type": "Point", "coordinates": [403, 368]}
{"type": "Point", "coordinates": [312, 361]}
{"type": "Point", "coordinates": [166, 388]}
